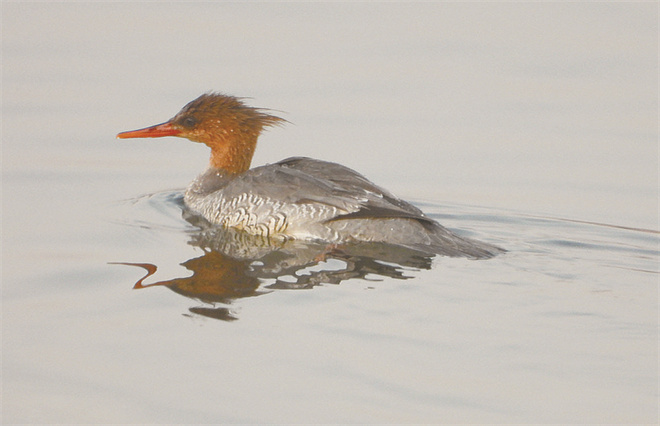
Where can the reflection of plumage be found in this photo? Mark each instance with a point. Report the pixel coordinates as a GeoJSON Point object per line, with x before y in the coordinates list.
{"type": "Point", "coordinates": [235, 264]}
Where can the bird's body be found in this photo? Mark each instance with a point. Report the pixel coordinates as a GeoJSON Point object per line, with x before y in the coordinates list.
{"type": "Point", "coordinates": [299, 198]}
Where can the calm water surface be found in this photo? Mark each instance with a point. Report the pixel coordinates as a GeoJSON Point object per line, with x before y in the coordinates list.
{"type": "Point", "coordinates": [529, 126]}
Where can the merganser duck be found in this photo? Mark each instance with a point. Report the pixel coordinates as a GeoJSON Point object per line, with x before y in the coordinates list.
{"type": "Point", "coordinates": [296, 198]}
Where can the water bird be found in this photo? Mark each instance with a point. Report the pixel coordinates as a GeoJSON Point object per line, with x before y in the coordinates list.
{"type": "Point", "coordinates": [296, 198]}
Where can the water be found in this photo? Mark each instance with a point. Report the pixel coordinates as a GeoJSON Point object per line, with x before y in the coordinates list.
{"type": "Point", "coordinates": [542, 142]}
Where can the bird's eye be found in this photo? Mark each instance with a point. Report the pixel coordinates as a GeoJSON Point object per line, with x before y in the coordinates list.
{"type": "Point", "coordinates": [189, 122]}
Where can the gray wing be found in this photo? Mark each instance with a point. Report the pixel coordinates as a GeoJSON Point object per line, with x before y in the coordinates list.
{"type": "Point", "coordinates": [302, 180]}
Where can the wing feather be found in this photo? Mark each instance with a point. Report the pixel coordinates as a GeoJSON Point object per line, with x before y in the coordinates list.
{"type": "Point", "coordinates": [305, 181]}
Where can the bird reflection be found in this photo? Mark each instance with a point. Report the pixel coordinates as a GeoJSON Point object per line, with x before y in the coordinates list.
{"type": "Point", "coordinates": [236, 265]}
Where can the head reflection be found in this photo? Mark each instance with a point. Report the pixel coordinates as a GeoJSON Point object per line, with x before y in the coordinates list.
{"type": "Point", "coordinates": [235, 265]}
